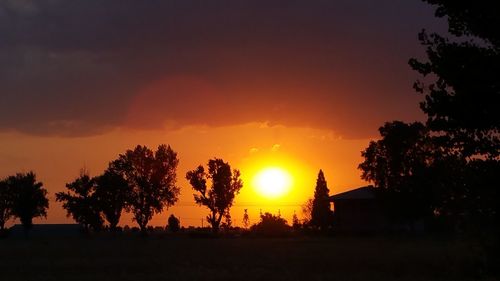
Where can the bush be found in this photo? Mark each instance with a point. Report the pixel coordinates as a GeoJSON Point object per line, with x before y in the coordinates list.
{"type": "Point", "coordinates": [174, 224]}
{"type": "Point", "coordinates": [271, 225]}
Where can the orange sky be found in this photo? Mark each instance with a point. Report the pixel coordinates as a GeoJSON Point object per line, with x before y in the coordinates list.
{"type": "Point", "coordinates": [303, 85]}
{"type": "Point", "coordinates": [249, 147]}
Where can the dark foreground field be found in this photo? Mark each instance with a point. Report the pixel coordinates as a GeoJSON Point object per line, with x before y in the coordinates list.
{"type": "Point", "coordinates": [182, 258]}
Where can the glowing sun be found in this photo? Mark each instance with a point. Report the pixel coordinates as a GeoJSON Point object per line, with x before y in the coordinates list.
{"type": "Point", "coordinates": [272, 182]}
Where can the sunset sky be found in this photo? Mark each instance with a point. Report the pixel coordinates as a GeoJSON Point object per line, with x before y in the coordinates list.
{"type": "Point", "coordinates": [298, 85]}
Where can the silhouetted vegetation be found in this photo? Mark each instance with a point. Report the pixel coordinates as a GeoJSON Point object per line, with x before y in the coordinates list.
{"type": "Point", "coordinates": [174, 224]}
{"type": "Point", "coordinates": [307, 211]}
{"type": "Point", "coordinates": [219, 197]}
{"type": "Point", "coordinates": [5, 203]}
{"type": "Point", "coordinates": [321, 214]}
{"type": "Point", "coordinates": [152, 179]}
{"type": "Point", "coordinates": [462, 91]}
{"type": "Point", "coordinates": [246, 218]}
{"type": "Point", "coordinates": [112, 192]}
{"type": "Point", "coordinates": [271, 225]}
{"type": "Point", "coordinates": [398, 164]}
{"type": "Point", "coordinates": [81, 202]}
{"type": "Point", "coordinates": [296, 222]}
{"type": "Point", "coordinates": [29, 198]}
{"type": "Point", "coordinates": [446, 170]}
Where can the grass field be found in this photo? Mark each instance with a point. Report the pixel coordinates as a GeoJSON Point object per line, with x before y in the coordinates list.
{"type": "Point", "coordinates": [183, 258]}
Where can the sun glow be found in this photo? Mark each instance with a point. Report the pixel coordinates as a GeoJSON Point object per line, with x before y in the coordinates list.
{"type": "Point", "coordinates": [272, 182]}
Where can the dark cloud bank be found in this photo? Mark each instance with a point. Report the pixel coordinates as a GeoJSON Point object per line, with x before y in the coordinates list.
{"type": "Point", "coordinates": [83, 67]}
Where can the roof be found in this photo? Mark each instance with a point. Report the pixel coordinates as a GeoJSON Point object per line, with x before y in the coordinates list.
{"type": "Point", "coordinates": [365, 192]}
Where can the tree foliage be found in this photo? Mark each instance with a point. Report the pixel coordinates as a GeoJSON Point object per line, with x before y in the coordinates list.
{"type": "Point", "coordinates": [271, 225]}
{"type": "Point", "coordinates": [462, 92]}
{"type": "Point", "coordinates": [246, 218]}
{"type": "Point", "coordinates": [219, 196]}
{"type": "Point", "coordinates": [306, 209]}
{"type": "Point", "coordinates": [81, 202]}
{"type": "Point", "coordinates": [29, 198]}
{"type": "Point", "coordinates": [152, 179]}
{"type": "Point", "coordinates": [112, 192]}
{"type": "Point", "coordinates": [321, 214]}
{"type": "Point", "coordinates": [399, 165]}
{"type": "Point", "coordinates": [6, 202]}
{"type": "Point", "coordinates": [174, 224]}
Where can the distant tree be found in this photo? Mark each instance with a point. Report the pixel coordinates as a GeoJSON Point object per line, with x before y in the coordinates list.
{"type": "Point", "coordinates": [462, 89]}
{"type": "Point", "coordinates": [228, 222]}
{"type": "Point", "coordinates": [81, 202]}
{"type": "Point", "coordinates": [152, 179]}
{"type": "Point", "coordinates": [219, 197]}
{"type": "Point", "coordinates": [174, 224]}
{"type": "Point", "coordinates": [29, 198]}
{"type": "Point", "coordinates": [295, 222]}
{"type": "Point", "coordinates": [246, 219]}
{"type": "Point", "coordinates": [6, 202]}
{"type": "Point", "coordinates": [321, 214]}
{"type": "Point", "coordinates": [271, 225]}
{"type": "Point", "coordinates": [112, 193]}
{"type": "Point", "coordinates": [307, 211]}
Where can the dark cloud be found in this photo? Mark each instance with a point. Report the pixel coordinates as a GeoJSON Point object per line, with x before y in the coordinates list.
{"type": "Point", "coordinates": [82, 67]}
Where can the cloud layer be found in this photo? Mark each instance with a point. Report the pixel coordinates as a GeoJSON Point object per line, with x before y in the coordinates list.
{"type": "Point", "coordinates": [83, 67]}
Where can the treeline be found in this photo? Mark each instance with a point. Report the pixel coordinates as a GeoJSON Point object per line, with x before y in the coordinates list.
{"type": "Point", "coordinates": [143, 182]}
{"type": "Point", "coordinates": [140, 181]}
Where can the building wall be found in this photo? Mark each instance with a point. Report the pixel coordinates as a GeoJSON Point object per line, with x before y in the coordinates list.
{"type": "Point", "coordinates": [358, 215]}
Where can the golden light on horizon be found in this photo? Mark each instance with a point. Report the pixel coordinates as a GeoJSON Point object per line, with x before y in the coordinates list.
{"type": "Point", "coordinates": [272, 182]}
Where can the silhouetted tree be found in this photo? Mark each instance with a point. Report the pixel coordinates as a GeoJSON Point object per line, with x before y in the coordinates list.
{"type": "Point", "coordinates": [295, 222]}
{"type": "Point", "coordinates": [307, 211]}
{"type": "Point", "coordinates": [174, 224]}
{"type": "Point", "coordinates": [6, 202]}
{"type": "Point", "coordinates": [219, 197]}
{"type": "Point", "coordinates": [321, 214]}
{"type": "Point", "coordinates": [271, 225]}
{"type": "Point", "coordinates": [397, 165]}
{"type": "Point", "coordinates": [81, 202]}
{"type": "Point", "coordinates": [151, 177]}
{"type": "Point", "coordinates": [462, 97]}
{"type": "Point", "coordinates": [29, 198]}
{"type": "Point", "coordinates": [246, 219]}
{"type": "Point", "coordinates": [112, 193]}
{"type": "Point", "coordinates": [462, 93]}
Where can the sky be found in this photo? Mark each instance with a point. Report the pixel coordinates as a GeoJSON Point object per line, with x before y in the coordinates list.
{"type": "Point", "coordinates": [300, 85]}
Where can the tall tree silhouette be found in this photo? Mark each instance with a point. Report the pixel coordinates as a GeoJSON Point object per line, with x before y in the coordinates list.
{"type": "Point", "coordinates": [6, 203]}
{"type": "Point", "coordinates": [112, 193]}
{"type": "Point", "coordinates": [462, 97]}
{"type": "Point", "coordinates": [398, 165]}
{"type": "Point", "coordinates": [219, 197]}
{"type": "Point", "coordinates": [462, 93]}
{"type": "Point", "coordinates": [321, 214]}
{"type": "Point", "coordinates": [152, 180]}
{"type": "Point", "coordinates": [29, 198]}
{"type": "Point", "coordinates": [80, 202]}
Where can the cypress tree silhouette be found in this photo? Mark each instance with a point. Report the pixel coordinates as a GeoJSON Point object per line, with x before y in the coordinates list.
{"type": "Point", "coordinates": [321, 215]}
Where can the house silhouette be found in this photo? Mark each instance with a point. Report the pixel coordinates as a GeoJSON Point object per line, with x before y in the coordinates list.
{"type": "Point", "coordinates": [358, 211]}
